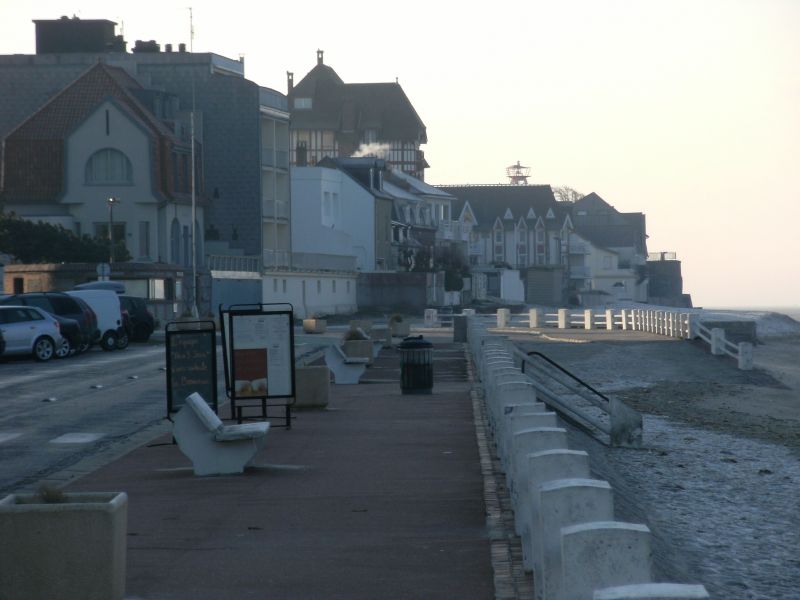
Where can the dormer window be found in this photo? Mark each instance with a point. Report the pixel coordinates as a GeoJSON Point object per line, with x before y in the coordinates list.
{"type": "Point", "coordinates": [302, 103]}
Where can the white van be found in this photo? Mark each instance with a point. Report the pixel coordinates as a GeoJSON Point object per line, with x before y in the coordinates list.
{"type": "Point", "coordinates": [105, 304]}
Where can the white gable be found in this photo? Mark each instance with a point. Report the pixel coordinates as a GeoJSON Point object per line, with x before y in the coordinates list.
{"type": "Point", "coordinates": [531, 214]}
{"type": "Point", "coordinates": [508, 215]}
{"type": "Point", "coordinates": [550, 214]}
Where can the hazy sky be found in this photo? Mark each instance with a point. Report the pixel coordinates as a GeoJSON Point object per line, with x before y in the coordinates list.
{"type": "Point", "coordinates": [686, 110]}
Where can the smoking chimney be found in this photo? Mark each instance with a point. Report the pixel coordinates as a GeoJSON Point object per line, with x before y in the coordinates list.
{"type": "Point", "coordinates": [319, 56]}
{"type": "Point", "coordinates": [290, 81]}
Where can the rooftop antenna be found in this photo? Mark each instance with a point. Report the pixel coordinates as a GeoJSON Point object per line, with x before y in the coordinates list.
{"type": "Point", "coordinates": [517, 174]}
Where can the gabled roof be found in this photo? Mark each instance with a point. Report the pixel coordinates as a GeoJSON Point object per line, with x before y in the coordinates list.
{"type": "Point", "coordinates": [33, 161]}
{"type": "Point", "coordinates": [340, 106]}
{"type": "Point", "coordinates": [491, 201]}
{"type": "Point", "coordinates": [417, 185]}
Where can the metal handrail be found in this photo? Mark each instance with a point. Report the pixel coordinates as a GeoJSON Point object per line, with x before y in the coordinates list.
{"type": "Point", "coordinates": [563, 370]}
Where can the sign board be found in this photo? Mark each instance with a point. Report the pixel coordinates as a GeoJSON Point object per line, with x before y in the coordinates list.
{"type": "Point", "coordinates": [258, 343]}
{"type": "Point", "coordinates": [191, 362]}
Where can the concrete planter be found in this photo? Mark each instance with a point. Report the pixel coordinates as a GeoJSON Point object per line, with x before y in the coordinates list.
{"type": "Point", "coordinates": [71, 550]}
{"type": "Point", "coordinates": [358, 349]}
{"type": "Point", "coordinates": [314, 325]}
{"type": "Point", "coordinates": [312, 387]}
{"type": "Point", "coordinates": [400, 328]}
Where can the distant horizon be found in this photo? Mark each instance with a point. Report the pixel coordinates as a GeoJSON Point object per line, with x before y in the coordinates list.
{"type": "Point", "coordinates": [685, 111]}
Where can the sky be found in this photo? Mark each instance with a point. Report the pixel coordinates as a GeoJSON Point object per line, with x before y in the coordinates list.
{"type": "Point", "coordinates": [685, 110]}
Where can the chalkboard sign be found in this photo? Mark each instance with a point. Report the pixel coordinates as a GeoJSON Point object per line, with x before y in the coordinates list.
{"type": "Point", "coordinates": [191, 362]}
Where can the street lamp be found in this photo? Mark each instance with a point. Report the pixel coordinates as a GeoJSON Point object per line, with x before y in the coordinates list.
{"type": "Point", "coordinates": [111, 202]}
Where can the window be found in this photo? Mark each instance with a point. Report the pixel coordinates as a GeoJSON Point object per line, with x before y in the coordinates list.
{"type": "Point", "coordinates": [283, 281]}
{"type": "Point", "coordinates": [108, 167]}
{"type": "Point", "coordinates": [348, 286]}
{"type": "Point", "coordinates": [302, 103]}
{"type": "Point", "coordinates": [144, 239]}
{"type": "Point", "coordinates": [331, 210]}
{"type": "Point", "coordinates": [333, 285]}
{"type": "Point", "coordinates": [274, 286]}
{"type": "Point", "coordinates": [319, 286]}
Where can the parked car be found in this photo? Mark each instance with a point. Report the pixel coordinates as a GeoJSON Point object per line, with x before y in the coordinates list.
{"type": "Point", "coordinates": [2, 343]}
{"type": "Point", "coordinates": [63, 305]}
{"type": "Point", "coordinates": [29, 330]}
{"type": "Point", "coordinates": [142, 322]}
{"type": "Point", "coordinates": [70, 336]}
{"type": "Point", "coordinates": [106, 306]}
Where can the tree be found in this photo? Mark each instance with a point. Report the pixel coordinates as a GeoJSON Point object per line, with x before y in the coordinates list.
{"type": "Point", "coordinates": [31, 242]}
{"type": "Point", "coordinates": [567, 194]}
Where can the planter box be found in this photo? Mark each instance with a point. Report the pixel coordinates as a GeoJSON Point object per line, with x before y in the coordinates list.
{"type": "Point", "coordinates": [358, 349]}
{"type": "Point", "coordinates": [312, 387]}
{"type": "Point", "coordinates": [73, 550]}
{"type": "Point", "coordinates": [314, 325]}
{"type": "Point", "coordinates": [400, 329]}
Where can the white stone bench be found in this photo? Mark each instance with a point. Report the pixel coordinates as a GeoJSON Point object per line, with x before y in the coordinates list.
{"type": "Point", "coordinates": [604, 554]}
{"type": "Point", "coordinates": [653, 591]}
{"type": "Point", "coordinates": [345, 369]}
{"type": "Point", "coordinates": [214, 448]}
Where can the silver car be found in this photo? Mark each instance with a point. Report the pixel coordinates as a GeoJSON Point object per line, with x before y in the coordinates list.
{"type": "Point", "coordinates": [29, 330]}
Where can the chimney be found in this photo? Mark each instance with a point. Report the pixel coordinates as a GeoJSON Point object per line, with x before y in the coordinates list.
{"type": "Point", "coordinates": [289, 82]}
{"type": "Point", "coordinates": [319, 56]}
{"type": "Point", "coordinates": [181, 47]}
{"type": "Point", "coordinates": [167, 47]}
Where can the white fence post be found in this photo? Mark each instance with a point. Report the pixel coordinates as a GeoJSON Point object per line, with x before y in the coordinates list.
{"type": "Point", "coordinates": [624, 314]}
{"type": "Point", "coordinates": [717, 341]}
{"type": "Point", "coordinates": [610, 319]}
{"type": "Point", "coordinates": [563, 318]}
{"type": "Point", "coordinates": [745, 356]}
{"type": "Point", "coordinates": [503, 317]}
{"type": "Point", "coordinates": [691, 326]}
{"type": "Point", "coordinates": [535, 318]}
{"type": "Point", "coordinates": [431, 317]}
{"type": "Point", "coordinates": [588, 319]}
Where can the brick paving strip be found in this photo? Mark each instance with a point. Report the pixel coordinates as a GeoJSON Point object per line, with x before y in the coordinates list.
{"type": "Point", "coordinates": [510, 580]}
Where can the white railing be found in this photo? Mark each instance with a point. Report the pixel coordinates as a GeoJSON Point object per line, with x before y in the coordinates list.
{"type": "Point", "coordinates": [670, 323]}
{"type": "Point", "coordinates": [219, 262]}
{"type": "Point", "coordinates": [276, 259]}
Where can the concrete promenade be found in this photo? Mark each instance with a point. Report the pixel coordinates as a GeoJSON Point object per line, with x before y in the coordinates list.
{"type": "Point", "coordinates": [379, 496]}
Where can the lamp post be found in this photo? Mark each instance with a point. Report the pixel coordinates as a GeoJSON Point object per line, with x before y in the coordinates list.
{"type": "Point", "coordinates": [111, 202]}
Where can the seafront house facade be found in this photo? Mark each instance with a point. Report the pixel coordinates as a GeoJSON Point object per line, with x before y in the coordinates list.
{"type": "Point", "coordinates": [334, 119]}
{"type": "Point", "coordinates": [241, 132]}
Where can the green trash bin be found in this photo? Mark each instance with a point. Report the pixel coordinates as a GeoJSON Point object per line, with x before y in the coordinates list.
{"type": "Point", "coordinates": [416, 365]}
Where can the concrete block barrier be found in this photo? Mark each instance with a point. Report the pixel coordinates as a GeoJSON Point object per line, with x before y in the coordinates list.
{"type": "Point", "coordinates": [544, 466]}
{"type": "Point", "coordinates": [515, 423]}
{"type": "Point", "coordinates": [653, 591]}
{"type": "Point", "coordinates": [603, 554]}
{"type": "Point", "coordinates": [563, 503]}
{"type": "Point", "coordinates": [529, 441]}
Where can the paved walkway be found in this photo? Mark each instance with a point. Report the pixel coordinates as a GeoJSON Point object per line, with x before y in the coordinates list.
{"type": "Point", "coordinates": [380, 496]}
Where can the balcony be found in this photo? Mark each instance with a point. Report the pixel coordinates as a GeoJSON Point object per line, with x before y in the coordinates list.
{"type": "Point", "coordinates": [276, 259]}
{"type": "Point", "coordinates": [276, 210]}
{"type": "Point", "coordinates": [246, 264]}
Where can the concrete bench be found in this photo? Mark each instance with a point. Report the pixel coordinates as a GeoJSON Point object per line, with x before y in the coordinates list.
{"type": "Point", "coordinates": [214, 448]}
{"type": "Point", "coordinates": [345, 369]}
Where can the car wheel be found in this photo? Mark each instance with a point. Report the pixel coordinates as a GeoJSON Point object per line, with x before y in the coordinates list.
{"type": "Point", "coordinates": [123, 341]}
{"type": "Point", "coordinates": [65, 349]}
{"type": "Point", "coordinates": [109, 341]}
{"type": "Point", "coordinates": [43, 349]}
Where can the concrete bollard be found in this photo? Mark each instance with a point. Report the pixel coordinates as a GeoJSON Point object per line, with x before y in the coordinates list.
{"type": "Point", "coordinates": [563, 318]}
{"type": "Point", "coordinates": [535, 318]}
{"type": "Point", "coordinates": [745, 356]}
{"type": "Point", "coordinates": [562, 503]}
{"type": "Point", "coordinates": [610, 319]}
{"type": "Point", "coordinates": [653, 591]}
{"type": "Point", "coordinates": [603, 554]}
{"type": "Point", "coordinates": [717, 341]}
{"type": "Point", "coordinates": [515, 423]}
{"type": "Point", "coordinates": [544, 466]}
{"type": "Point", "coordinates": [625, 316]}
{"type": "Point", "coordinates": [503, 318]}
{"type": "Point", "coordinates": [588, 319]}
{"type": "Point", "coordinates": [530, 441]}
{"type": "Point", "coordinates": [431, 317]}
